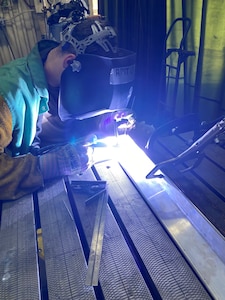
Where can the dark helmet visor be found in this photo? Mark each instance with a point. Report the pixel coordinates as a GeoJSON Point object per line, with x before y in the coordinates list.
{"type": "Point", "coordinates": [102, 85]}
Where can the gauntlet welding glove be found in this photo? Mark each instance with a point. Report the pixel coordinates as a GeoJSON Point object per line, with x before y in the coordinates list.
{"type": "Point", "coordinates": [66, 160]}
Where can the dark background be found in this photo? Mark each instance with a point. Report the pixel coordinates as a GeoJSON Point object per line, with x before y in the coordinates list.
{"type": "Point", "coordinates": [141, 27]}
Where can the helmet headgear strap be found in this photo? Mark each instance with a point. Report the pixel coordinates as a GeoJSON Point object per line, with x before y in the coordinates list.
{"type": "Point", "coordinates": [100, 35]}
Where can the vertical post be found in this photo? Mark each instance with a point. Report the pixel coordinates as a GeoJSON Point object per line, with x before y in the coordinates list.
{"type": "Point", "coordinates": [198, 79]}
{"type": "Point", "coordinates": [185, 98]}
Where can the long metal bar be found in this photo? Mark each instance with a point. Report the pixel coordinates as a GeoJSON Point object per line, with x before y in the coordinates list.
{"type": "Point", "coordinates": [97, 241]}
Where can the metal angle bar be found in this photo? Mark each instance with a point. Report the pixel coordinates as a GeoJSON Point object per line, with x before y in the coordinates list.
{"type": "Point", "coordinates": [97, 241]}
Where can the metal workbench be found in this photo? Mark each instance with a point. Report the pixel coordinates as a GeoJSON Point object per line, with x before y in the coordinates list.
{"type": "Point", "coordinates": [156, 245]}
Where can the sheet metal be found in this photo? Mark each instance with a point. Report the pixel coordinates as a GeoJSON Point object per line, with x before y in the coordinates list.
{"type": "Point", "coordinates": [66, 266]}
{"type": "Point", "coordinates": [156, 254]}
{"type": "Point", "coordinates": [119, 275]}
{"type": "Point", "coordinates": [200, 242]}
{"type": "Point", "coordinates": [18, 252]}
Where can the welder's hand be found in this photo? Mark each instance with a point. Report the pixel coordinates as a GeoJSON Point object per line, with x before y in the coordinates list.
{"type": "Point", "coordinates": [117, 122]}
{"type": "Point", "coordinates": [66, 160]}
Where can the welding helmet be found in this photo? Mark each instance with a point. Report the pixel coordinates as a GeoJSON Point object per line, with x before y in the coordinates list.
{"type": "Point", "coordinates": [94, 83]}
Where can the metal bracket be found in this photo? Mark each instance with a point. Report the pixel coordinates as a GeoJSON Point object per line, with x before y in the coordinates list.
{"type": "Point", "coordinates": [97, 241]}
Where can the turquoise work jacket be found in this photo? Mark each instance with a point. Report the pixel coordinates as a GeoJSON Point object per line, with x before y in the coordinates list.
{"type": "Point", "coordinates": [24, 88]}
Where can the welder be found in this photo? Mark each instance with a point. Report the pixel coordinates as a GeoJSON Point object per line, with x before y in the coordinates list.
{"type": "Point", "coordinates": [95, 90]}
{"type": "Point", "coordinates": [91, 76]}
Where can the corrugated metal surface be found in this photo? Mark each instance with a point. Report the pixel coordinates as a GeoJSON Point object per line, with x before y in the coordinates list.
{"type": "Point", "coordinates": [21, 26]}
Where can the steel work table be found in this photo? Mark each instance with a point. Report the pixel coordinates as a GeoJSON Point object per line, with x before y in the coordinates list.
{"type": "Point", "coordinates": [156, 245]}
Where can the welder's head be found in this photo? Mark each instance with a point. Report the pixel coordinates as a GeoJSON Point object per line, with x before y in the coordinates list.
{"type": "Point", "coordinates": [101, 77]}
